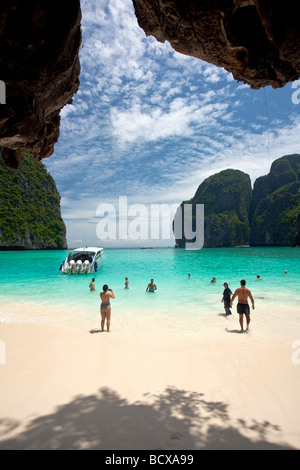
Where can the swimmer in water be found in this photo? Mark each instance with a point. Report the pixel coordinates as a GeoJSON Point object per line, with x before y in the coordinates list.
{"type": "Point", "coordinates": [151, 286]}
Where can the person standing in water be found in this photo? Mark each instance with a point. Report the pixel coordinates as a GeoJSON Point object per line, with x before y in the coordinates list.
{"type": "Point", "coordinates": [226, 298]}
{"type": "Point", "coordinates": [92, 285]}
{"type": "Point", "coordinates": [151, 286]}
{"type": "Point", "coordinates": [105, 307]}
{"type": "Point", "coordinates": [243, 307]}
{"type": "Point", "coordinates": [126, 283]}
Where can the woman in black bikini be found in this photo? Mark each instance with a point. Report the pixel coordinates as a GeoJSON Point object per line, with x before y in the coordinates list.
{"type": "Point", "coordinates": [105, 307]}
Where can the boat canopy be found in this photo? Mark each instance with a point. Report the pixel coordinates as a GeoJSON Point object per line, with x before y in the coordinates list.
{"type": "Point", "coordinates": [84, 254]}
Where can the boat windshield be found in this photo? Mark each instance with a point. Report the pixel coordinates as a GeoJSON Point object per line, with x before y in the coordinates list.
{"type": "Point", "coordinates": [81, 256]}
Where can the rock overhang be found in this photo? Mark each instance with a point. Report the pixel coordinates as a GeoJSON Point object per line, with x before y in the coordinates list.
{"type": "Point", "coordinates": [258, 41]}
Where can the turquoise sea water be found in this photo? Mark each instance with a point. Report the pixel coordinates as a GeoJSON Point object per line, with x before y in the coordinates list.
{"type": "Point", "coordinates": [34, 278]}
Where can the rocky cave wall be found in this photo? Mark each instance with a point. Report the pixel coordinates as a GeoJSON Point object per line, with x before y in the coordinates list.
{"type": "Point", "coordinates": [258, 41]}
{"type": "Point", "coordinates": [39, 64]}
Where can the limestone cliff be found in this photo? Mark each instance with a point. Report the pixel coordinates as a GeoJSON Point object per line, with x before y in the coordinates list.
{"type": "Point", "coordinates": [30, 216]}
{"type": "Point", "coordinates": [227, 198]}
{"type": "Point", "coordinates": [275, 210]}
{"type": "Point", "coordinates": [268, 215]}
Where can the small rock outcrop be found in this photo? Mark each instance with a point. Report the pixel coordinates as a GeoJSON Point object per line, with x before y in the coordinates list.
{"type": "Point", "coordinates": [258, 41]}
{"type": "Point", "coordinates": [39, 65]}
{"type": "Point", "coordinates": [30, 215]}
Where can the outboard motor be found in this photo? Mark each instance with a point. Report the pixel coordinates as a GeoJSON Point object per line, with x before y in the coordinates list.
{"type": "Point", "coordinates": [86, 266]}
{"type": "Point", "coordinates": [78, 266]}
{"type": "Point", "coordinates": [72, 265]}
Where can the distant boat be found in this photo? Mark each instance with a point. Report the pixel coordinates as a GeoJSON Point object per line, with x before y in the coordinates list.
{"type": "Point", "coordinates": [83, 260]}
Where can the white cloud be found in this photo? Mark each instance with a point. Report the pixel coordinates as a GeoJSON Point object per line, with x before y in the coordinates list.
{"type": "Point", "coordinates": [153, 125]}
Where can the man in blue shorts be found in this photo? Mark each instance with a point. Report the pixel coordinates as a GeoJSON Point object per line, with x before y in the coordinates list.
{"type": "Point", "coordinates": [151, 287]}
{"type": "Point", "coordinates": [243, 307]}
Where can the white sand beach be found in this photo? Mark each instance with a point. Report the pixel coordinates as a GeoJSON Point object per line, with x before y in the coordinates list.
{"type": "Point", "coordinates": [153, 388]}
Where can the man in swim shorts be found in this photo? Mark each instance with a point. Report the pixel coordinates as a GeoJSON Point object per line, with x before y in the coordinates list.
{"type": "Point", "coordinates": [243, 307]}
{"type": "Point", "coordinates": [151, 286]}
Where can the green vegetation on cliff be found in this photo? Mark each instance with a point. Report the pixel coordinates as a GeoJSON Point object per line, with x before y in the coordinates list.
{"type": "Point", "coordinates": [226, 197]}
{"type": "Point", "coordinates": [267, 216]}
{"type": "Point", "coordinates": [275, 210]}
{"type": "Point", "coordinates": [30, 216]}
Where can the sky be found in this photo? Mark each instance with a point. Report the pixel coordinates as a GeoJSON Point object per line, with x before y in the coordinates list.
{"type": "Point", "coordinates": [149, 125]}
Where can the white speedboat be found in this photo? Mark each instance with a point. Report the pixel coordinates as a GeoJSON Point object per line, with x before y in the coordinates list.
{"type": "Point", "coordinates": [83, 260]}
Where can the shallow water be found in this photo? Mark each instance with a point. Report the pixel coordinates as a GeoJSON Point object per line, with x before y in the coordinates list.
{"type": "Point", "coordinates": [34, 278]}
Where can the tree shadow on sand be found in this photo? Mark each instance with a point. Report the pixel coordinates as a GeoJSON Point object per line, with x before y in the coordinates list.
{"type": "Point", "coordinates": [173, 420]}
